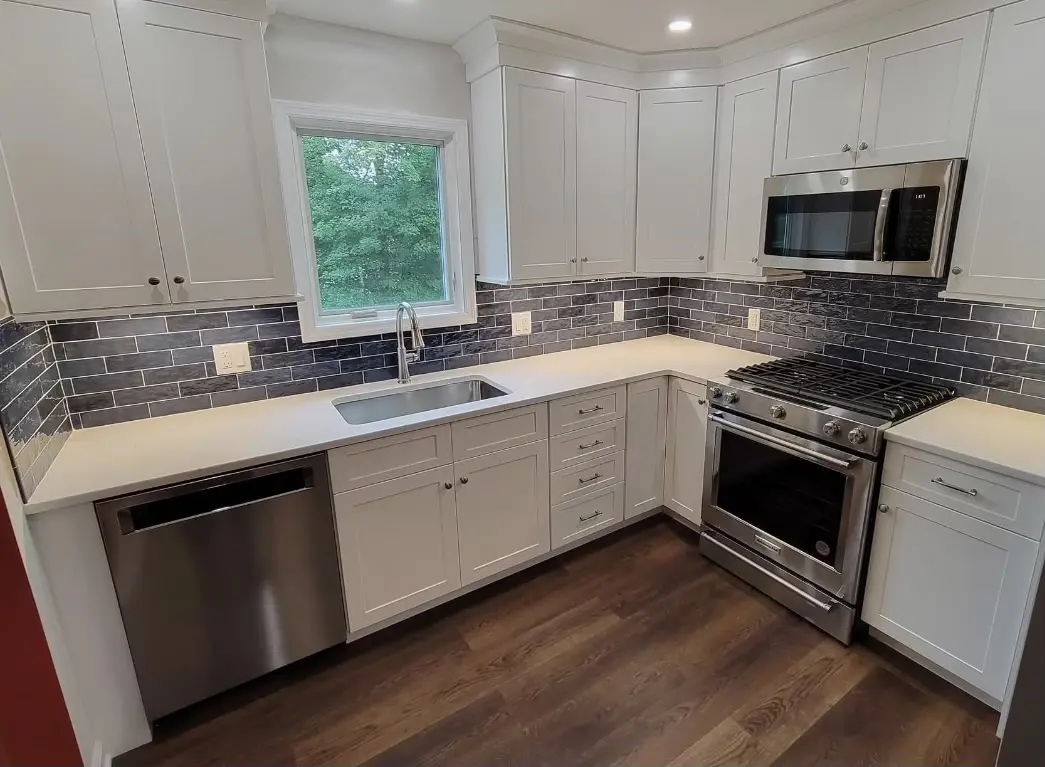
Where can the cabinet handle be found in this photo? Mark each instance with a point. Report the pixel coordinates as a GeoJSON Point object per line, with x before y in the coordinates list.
{"type": "Point", "coordinates": [590, 445]}
{"type": "Point", "coordinates": [589, 517]}
{"type": "Point", "coordinates": [448, 485]}
{"type": "Point", "coordinates": [573, 260]}
{"type": "Point", "coordinates": [154, 280]}
{"type": "Point", "coordinates": [584, 260]}
{"type": "Point", "coordinates": [863, 146]}
{"type": "Point", "coordinates": [754, 259]}
{"type": "Point", "coordinates": [179, 280]}
{"type": "Point", "coordinates": [464, 480]}
{"type": "Point", "coordinates": [846, 148]}
{"type": "Point", "coordinates": [957, 270]}
{"type": "Point", "coordinates": [592, 478]}
{"type": "Point", "coordinates": [595, 409]}
{"type": "Point", "coordinates": [940, 481]}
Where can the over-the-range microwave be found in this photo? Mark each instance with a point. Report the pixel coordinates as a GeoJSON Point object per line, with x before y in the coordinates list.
{"type": "Point", "coordinates": [892, 219]}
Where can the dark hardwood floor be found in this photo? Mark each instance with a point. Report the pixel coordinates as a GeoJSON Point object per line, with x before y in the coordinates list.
{"type": "Point", "coordinates": [632, 651]}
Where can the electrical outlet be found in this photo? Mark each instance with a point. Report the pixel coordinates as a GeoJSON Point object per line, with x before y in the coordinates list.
{"type": "Point", "coordinates": [618, 311]}
{"type": "Point", "coordinates": [521, 324]}
{"type": "Point", "coordinates": [754, 318]}
{"type": "Point", "coordinates": [231, 358]}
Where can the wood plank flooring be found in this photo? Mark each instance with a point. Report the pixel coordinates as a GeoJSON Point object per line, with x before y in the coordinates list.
{"type": "Point", "coordinates": [632, 651]}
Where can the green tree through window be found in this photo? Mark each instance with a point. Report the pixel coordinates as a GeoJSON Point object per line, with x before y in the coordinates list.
{"type": "Point", "coordinates": [376, 221]}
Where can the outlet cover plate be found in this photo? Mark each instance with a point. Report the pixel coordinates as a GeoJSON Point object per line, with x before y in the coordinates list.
{"type": "Point", "coordinates": [754, 318]}
{"type": "Point", "coordinates": [521, 324]}
{"type": "Point", "coordinates": [618, 311]}
{"type": "Point", "coordinates": [232, 358]}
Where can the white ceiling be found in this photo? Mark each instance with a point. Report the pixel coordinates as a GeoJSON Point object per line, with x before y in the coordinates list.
{"type": "Point", "coordinates": [635, 25]}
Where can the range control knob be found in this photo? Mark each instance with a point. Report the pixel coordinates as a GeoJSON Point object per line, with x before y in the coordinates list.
{"type": "Point", "coordinates": [777, 412]}
{"type": "Point", "coordinates": [715, 392]}
{"type": "Point", "coordinates": [832, 429]}
{"type": "Point", "coordinates": [731, 397]}
{"type": "Point", "coordinates": [857, 436]}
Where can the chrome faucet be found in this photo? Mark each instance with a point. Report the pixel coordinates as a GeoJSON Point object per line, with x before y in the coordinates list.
{"type": "Point", "coordinates": [405, 357]}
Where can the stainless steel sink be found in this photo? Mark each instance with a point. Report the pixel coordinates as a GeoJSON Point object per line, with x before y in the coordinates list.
{"type": "Point", "coordinates": [381, 407]}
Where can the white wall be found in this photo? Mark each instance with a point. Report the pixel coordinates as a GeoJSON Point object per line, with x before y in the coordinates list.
{"type": "Point", "coordinates": [322, 63]}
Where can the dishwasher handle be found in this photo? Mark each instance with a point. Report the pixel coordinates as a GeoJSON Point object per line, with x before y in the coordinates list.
{"type": "Point", "coordinates": [180, 505]}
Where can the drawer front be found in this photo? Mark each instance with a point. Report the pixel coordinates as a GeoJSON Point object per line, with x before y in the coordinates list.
{"type": "Point", "coordinates": [499, 431]}
{"type": "Point", "coordinates": [1009, 503]}
{"type": "Point", "coordinates": [587, 478]}
{"type": "Point", "coordinates": [586, 516]}
{"type": "Point", "coordinates": [572, 413]}
{"type": "Point", "coordinates": [389, 458]}
{"type": "Point", "coordinates": [576, 447]}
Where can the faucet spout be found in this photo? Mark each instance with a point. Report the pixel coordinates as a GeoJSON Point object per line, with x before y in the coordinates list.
{"type": "Point", "coordinates": [406, 357]}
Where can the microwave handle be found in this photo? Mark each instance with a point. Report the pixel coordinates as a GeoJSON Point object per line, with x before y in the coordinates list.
{"type": "Point", "coordinates": [879, 225]}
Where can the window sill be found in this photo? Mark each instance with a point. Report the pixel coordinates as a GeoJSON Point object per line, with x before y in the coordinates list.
{"type": "Point", "coordinates": [336, 328]}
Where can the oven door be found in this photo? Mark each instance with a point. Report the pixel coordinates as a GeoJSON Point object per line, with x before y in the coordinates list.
{"type": "Point", "coordinates": [793, 500]}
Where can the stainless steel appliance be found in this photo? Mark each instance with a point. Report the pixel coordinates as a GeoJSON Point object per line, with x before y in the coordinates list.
{"type": "Point", "coordinates": [895, 219]}
{"type": "Point", "coordinates": [224, 579]}
{"type": "Point", "coordinates": [793, 456]}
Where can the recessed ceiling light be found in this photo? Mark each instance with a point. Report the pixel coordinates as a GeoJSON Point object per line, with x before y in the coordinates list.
{"type": "Point", "coordinates": [680, 25]}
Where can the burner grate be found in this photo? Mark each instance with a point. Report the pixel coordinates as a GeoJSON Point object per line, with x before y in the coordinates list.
{"type": "Point", "coordinates": [869, 393]}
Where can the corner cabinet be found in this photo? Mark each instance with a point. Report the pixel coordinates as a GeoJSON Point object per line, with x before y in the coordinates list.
{"type": "Point", "coordinates": [1001, 229]}
{"type": "Point", "coordinates": [646, 445]}
{"type": "Point", "coordinates": [687, 438]}
{"type": "Point", "coordinates": [161, 160]}
{"type": "Point", "coordinates": [676, 162]}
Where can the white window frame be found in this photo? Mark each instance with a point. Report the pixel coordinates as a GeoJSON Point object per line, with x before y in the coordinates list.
{"type": "Point", "coordinates": [294, 117]}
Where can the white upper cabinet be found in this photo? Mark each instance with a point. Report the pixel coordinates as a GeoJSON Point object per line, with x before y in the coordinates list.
{"type": "Point", "coordinates": [818, 113]}
{"type": "Point", "coordinates": [743, 160]}
{"type": "Point", "coordinates": [607, 144]}
{"type": "Point", "coordinates": [920, 94]}
{"type": "Point", "coordinates": [202, 95]}
{"type": "Point", "coordinates": [676, 162]}
{"type": "Point", "coordinates": [1001, 227]}
{"type": "Point", "coordinates": [76, 219]}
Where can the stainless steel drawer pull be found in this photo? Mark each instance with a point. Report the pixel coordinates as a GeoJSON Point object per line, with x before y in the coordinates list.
{"type": "Point", "coordinates": [767, 544]}
{"type": "Point", "coordinates": [940, 481]}
{"type": "Point", "coordinates": [782, 443]}
{"type": "Point", "coordinates": [589, 517]}
{"type": "Point", "coordinates": [595, 409]}
{"type": "Point", "coordinates": [592, 478]}
{"type": "Point", "coordinates": [590, 445]}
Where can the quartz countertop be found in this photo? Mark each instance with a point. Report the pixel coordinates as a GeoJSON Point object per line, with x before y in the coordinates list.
{"type": "Point", "coordinates": [106, 461]}
{"type": "Point", "coordinates": [1003, 439]}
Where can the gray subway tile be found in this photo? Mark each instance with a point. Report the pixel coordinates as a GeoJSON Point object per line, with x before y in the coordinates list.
{"type": "Point", "coordinates": [80, 403]}
{"type": "Point", "coordinates": [133, 327]}
{"type": "Point", "coordinates": [113, 415]}
{"type": "Point", "coordinates": [1022, 335]}
{"type": "Point", "coordinates": [268, 346]}
{"type": "Point", "coordinates": [238, 396]}
{"type": "Point", "coordinates": [265, 316]}
{"type": "Point", "coordinates": [263, 377]}
{"type": "Point", "coordinates": [992, 380]}
{"type": "Point", "coordinates": [139, 361]}
{"type": "Point", "coordinates": [279, 330]}
{"type": "Point", "coordinates": [290, 389]}
{"type": "Point", "coordinates": [339, 381]}
{"type": "Point", "coordinates": [964, 359]}
{"type": "Point", "coordinates": [959, 311]}
{"type": "Point", "coordinates": [996, 348]}
{"type": "Point", "coordinates": [77, 368]}
{"type": "Point", "coordinates": [100, 348]}
{"type": "Point", "coordinates": [197, 321]}
{"type": "Point", "coordinates": [107, 382]}
{"type": "Point", "coordinates": [1003, 315]}
{"type": "Point", "coordinates": [74, 331]}
{"type": "Point", "coordinates": [288, 359]}
{"type": "Point", "coordinates": [316, 370]}
{"type": "Point", "coordinates": [146, 394]}
{"type": "Point", "coordinates": [230, 335]}
{"type": "Point", "coordinates": [1021, 401]}
{"type": "Point", "coordinates": [181, 405]}
{"type": "Point", "coordinates": [194, 354]}
{"type": "Point", "coordinates": [168, 341]}
{"type": "Point", "coordinates": [208, 385]}
{"type": "Point", "coordinates": [970, 328]}
{"type": "Point", "coordinates": [1019, 368]}
{"type": "Point", "coordinates": [175, 373]}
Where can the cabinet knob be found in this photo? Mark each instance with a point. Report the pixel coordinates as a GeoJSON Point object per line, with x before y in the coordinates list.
{"type": "Point", "coordinates": [448, 485]}
{"type": "Point", "coordinates": [179, 280]}
{"type": "Point", "coordinates": [573, 260]}
{"type": "Point", "coordinates": [700, 258]}
{"type": "Point", "coordinates": [863, 145]}
{"type": "Point", "coordinates": [883, 509]}
{"type": "Point", "coordinates": [584, 260]}
{"type": "Point", "coordinates": [956, 270]}
{"type": "Point", "coordinates": [754, 259]}
{"type": "Point", "coordinates": [464, 480]}
{"type": "Point", "coordinates": [702, 402]}
{"type": "Point", "coordinates": [846, 148]}
{"type": "Point", "coordinates": [154, 280]}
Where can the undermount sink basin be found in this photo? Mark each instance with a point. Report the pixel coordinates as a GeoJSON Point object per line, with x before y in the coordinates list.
{"type": "Point", "coordinates": [381, 407]}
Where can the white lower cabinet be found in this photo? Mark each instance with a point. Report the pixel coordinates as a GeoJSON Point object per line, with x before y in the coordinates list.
{"type": "Point", "coordinates": [398, 545]}
{"type": "Point", "coordinates": [587, 516]}
{"type": "Point", "coordinates": [502, 510]}
{"type": "Point", "coordinates": [647, 437]}
{"type": "Point", "coordinates": [687, 434]}
{"type": "Point", "coordinates": [949, 587]}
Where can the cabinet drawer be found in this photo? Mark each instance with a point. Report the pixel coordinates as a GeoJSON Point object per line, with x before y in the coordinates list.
{"type": "Point", "coordinates": [499, 431]}
{"type": "Point", "coordinates": [585, 516]}
{"type": "Point", "coordinates": [582, 445]}
{"type": "Point", "coordinates": [587, 478]}
{"type": "Point", "coordinates": [388, 458]}
{"type": "Point", "coordinates": [573, 413]}
{"type": "Point", "coordinates": [1003, 501]}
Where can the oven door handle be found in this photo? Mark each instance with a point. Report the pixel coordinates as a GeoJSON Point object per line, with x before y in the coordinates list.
{"type": "Point", "coordinates": [879, 225]}
{"type": "Point", "coordinates": [767, 438]}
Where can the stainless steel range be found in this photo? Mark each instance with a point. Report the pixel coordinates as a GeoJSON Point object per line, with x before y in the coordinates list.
{"type": "Point", "coordinates": [794, 448]}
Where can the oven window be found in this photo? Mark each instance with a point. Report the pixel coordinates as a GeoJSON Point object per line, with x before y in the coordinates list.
{"type": "Point", "coordinates": [831, 225]}
{"type": "Point", "coordinates": [790, 498]}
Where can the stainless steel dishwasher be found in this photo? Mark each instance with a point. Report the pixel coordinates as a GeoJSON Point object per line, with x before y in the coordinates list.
{"type": "Point", "coordinates": [224, 579]}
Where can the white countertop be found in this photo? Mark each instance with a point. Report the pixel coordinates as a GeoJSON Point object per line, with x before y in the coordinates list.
{"type": "Point", "coordinates": [1002, 439]}
{"type": "Point", "coordinates": [112, 460]}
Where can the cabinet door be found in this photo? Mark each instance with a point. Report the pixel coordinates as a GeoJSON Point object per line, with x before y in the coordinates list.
{"type": "Point", "coordinates": [687, 434]}
{"type": "Point", "coordinates": [818, 113]}
{"type": "Point", "coordinates": [69, 150]}
{"type": "Point", "coordinates": [950, 587]}
{"type": "Point", "coordinates": [503, 510]}
{"type": "Point", "coordinates": [607, 146]}
{"type": "Point", "coordinates": [646, 445]}
{"type": "Point", "coordinates": [676, 161]}
{"type": "Point", "coordinates": [202, 94]}
{"type": "Point", "coordinates": [398, 543]}
{"type": "Point", "coordinates": [1001, 229]}
{"type": "Point", "coordinates": [743, 160]}
{"type": "Point", "coordinates": [920, 94]}
{"type": "Point", "coordinates": [541, 138]}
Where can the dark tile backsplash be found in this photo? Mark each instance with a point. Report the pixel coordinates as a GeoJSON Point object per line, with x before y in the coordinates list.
{"type": "Point", "coordinates": [891, 325]}
{"type": "Point", "coordinates": [129, 368]}
{"type": "Point", "coordinates": [33, 414]}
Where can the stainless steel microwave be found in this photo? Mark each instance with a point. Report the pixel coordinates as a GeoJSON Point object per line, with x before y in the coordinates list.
{"type": "Point", "coordinates": [894, 219]}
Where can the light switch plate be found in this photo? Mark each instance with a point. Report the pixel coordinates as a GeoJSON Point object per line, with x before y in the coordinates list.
{"type": "Point", "coordinates": [231, 358]}
{"type": "Point", "coordinates": [521, 324]}
{"type": "Point", "coordinates": [754, 318]}
{"type": "Point", "coordinates": [618, 311]}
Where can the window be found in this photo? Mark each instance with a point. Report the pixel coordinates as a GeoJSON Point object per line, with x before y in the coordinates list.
{"type": "Point", "coordinates": [379, 212]}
